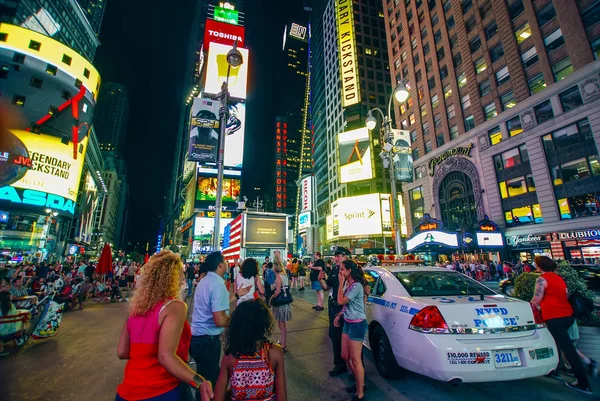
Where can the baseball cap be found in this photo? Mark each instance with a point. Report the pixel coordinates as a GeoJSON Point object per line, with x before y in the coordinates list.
{"type": "Point", "coordinates": [340, 250]}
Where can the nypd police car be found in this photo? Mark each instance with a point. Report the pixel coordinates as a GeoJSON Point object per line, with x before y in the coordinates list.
{"type": "Point", "coordinates": [444, 325]}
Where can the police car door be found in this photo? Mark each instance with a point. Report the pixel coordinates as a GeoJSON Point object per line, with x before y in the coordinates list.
{"type": "Point", "coordinates": [375, 307]}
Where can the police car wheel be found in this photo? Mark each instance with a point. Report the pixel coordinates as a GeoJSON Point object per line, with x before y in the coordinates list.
{"type": "Point", "coordinates": [385, 361]}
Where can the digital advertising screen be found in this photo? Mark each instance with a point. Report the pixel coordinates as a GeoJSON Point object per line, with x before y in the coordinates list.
{"type": "Point", "coordinates": [432, 237]}
{"type": "Point", "coordinates": [355, 159]}
{"type": "Point", "coordinates": [265, 231]}
{"type": "Point", "coordinates": [490, 239]}
{"type": "Point", "coordinates": [223, 33]}
{"type": "Point", "coordinates": [304, 220]}
{"type": "Point", "coordinates": [358, 216]}
{"type": "Point", "coordinates": [88, 203]}
{"type": "Point", "coordinates": [205, 226]}
{"type": "Point", "coordinates": [236, 130]}
{"type": "Point", "coordinates": [39, 170]}
{"type": "Point", "coordinates": [206, 192]}
{"type": "Point", "coordinates": [403, 164]}
{"type": "Point", "coordinates": [204, 131]}
{"type": "Point", "coordinates": [216, 72]}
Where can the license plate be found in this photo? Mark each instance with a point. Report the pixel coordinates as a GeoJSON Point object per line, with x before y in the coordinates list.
{"type": "Point", "coordinates": [507, 358]}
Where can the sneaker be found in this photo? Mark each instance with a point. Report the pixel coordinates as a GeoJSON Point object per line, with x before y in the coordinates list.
{"type": "Point", "coordinates": [593, 368]}
{"type": "Point", "coordinates": [315, 306]}
{"type": "Point", "coordinates": [338, 370]}
{"type": "Point", "coordinates": [319, 308]}
{"type": "Point", "coordinates": [575, 386]}
{"type": "Point", "coordinates": [352, 389]}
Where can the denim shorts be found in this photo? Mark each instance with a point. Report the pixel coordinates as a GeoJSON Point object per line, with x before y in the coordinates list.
{"type": "Point", "coordinates": [316, 285]}
{"type": "Point", "coordinates": [355, 331]}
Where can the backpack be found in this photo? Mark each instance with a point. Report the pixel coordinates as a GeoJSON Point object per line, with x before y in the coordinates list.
{"type": "Point", "coordinates": [252, 377]}
{"type": "Point", "coordinates": [270, 277]}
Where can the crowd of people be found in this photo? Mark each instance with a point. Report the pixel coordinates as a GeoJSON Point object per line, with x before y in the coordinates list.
{"type": "Point", "coordinates": [488, 270]}
{"type": "Point", "coordinates": [158, 340]}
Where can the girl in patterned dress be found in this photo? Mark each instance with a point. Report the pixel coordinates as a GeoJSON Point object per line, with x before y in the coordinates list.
{"type": "Point", "coordinates": [252, 365]}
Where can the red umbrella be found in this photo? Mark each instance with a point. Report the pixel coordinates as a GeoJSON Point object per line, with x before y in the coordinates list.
{"type": "Point", "coordinates": [105, 262]}
{"type": "Point", "coordinates": [146, 258]}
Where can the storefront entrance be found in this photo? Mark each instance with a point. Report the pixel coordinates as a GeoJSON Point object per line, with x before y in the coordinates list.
{"type": "Point", "coordinates": [457, 201]}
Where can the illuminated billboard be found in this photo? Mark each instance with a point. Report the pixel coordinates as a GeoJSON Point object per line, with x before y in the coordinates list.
{"type": "Point", "coordinates": [39, 170]}
{"type": "Point", "coordinates": [226, 15]}
{"type": "Point", "coordinates": [216, 71]}
{"type": "Point", "coordinates": [205, 226]}
{"type": "Point", "coordinates": [264, 231]}
{"type": "Point", "coordinates": [223, 33]}
{"type": "Point", "coordinates": [306, 188]}
{"type": "Point", "coordinates": [403, 163]}
{"type": "Point", "coordinates": [88, 203]}
{"type": "Point", "coordinates": [204, 133]}
{"type": "Point", "coordinates": [490, 239]}
{"type": "Point", "coordinates": [357, 216]}
{"type": "Point", "coordinates": [347, 53]}
{"type": "Point", "coordinates": [355, 155]}
{"type": "Point", "coordinates": [304, 220]}
{"type": "Point", "coordinates": [433, 238]}
{"type": "Point", "coordinates": [206, 192]}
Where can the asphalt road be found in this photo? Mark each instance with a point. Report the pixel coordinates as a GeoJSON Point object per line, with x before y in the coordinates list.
{"type": "Point", "coordinates": [81, 364]}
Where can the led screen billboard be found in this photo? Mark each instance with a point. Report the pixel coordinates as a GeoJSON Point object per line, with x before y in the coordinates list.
{"type": "Point", "coordinates": [39, 170]}
{"type": "Point", "coordinates": [216, 71]}
{"type": "Point", "coordinates": [204, 133]}
{"type": "Point", "coordinates": [223, 33]}
{"type": "Point", "coordinates": [432, 237]}
{"type": "Point", "coordinates": [355, 155]}
{"type": "Point", "coordinates": [358, 216]}
{"type": "Point", "coordinates": [263, 231]}
{"type": "Point", "coordinates": [403, 160]}
{"type": "Point", "coordinates": [88, 203]}
{"type": "Point", "coordinates": [205, 226]}
{"type": "Point", "coordinates": [490, 240]}
{"type": "Point", "coordinates": [304, 220]}
{"type": "Point", "coordinates": [206, 192]}
{"type": "Point", "coordinates": [226, 15]}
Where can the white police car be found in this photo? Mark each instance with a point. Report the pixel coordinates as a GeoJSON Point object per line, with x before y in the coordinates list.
{"type": "Point", "coordinates": [444, 325]}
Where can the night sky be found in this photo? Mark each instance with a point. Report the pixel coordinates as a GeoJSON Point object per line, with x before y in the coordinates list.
{"type": "Point", "coordinates": [144, 48]}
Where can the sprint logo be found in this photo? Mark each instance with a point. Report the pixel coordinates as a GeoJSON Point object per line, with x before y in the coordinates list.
{"type": "Point", "coordinates": [367, 214]}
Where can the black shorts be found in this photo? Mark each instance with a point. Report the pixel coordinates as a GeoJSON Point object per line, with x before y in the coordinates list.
{"type": "Point", "coordinates": [130, 279]}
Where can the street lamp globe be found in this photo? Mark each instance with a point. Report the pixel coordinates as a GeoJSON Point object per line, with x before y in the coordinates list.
{"type": "Point", "coordinates": [401, 93]}
{"type": "Point", "coordinates": [370, 122]}
{"type": "Point", "coordinates": [234, 57]}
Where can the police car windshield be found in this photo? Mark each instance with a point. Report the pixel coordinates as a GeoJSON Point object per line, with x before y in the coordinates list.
{"type": "Point", "coordinates": [433, 283]}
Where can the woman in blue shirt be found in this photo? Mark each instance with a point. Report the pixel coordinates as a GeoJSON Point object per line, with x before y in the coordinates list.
{"type": "Point", "coordinates": [350, 296]}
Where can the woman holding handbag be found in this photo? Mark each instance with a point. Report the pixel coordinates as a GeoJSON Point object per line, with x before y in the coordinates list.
{"type": "Point", "coordinates": [280, 303]}
{"type": "Point", "coordinates": [248, 277]}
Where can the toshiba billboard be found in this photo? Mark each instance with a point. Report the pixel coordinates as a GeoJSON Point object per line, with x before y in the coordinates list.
{"type": "Point", "coordinates": [306, 193]}
{"type": "Point", "coordinates": [226, 34]}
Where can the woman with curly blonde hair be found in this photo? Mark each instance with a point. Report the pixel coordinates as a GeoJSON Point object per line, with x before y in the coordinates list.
{"type": "Point", "coordinates": [156, 337]}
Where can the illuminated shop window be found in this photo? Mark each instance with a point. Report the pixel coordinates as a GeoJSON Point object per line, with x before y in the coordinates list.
{"type": "Point", "coordinates": [579, 206]}
{"type": "Point", "coordinates": [530, 214]}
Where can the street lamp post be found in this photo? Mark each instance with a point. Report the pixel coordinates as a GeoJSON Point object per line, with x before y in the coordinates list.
{"type": "Point", "coordinates": [400, 94]}
{"type": "Point", "coordinates": [234, 59]}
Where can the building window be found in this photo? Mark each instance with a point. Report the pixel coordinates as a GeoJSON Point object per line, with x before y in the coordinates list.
{"type": "Point", "coordinates": [495, 135]}
{"type": "Point", "coordinates": [457, 60]}
{"type": "Point", "coordinates": [415, 154]}
{"type": "Point", "coordinates": [530, 57]}
{"type": "Point", "coordinates": [413, 136]}
{"type": "Point", "coordinates": [453, 132]}
{"type": "Point", "coordinates": [18, 58]}
{"type": "Point", "coordinates": [462, 80]}
{"type": "Point", "coordinates": [437, 120]}
{"type": "Point", "coordinates": [543, 112]}
{"type": "Point", "coordinates": [517, 186]}
{"type": "Point", "coordinates": [486, 9]}
{"type": "Point", "coordinates": [546, 14]}
{"type": "Point", "coordinates": [491, 30]}
{"type": "Point", "coordinates": [466, 5]}
{"type": "Point", "coordinates": [450, 22]}
{"type": "Point", "coordinates": [596, 48]}
{"type": "Point", "coordinates": [447, 91]}
{"type": "Point", "coordinates": [465, 101]}
{"type": "Point", "coordinates": [469, 123]}
{"type": "Point", "coordinates": [419, 172]}
{"type": "Point", "coordinates": [450, 112]}
{"type": "Point", "coordinates": [515, 9]}
{"type": "Point", "coordinates": [437, 37]}
{"type": "Point", "coordinates": [562, 68]}
{"type": "Point", "coordinates": [511, 158]}
{"type": "Point", "coordinates": [417, 205]}
{"type": "Point", "coordinates": [50, 69]}
{"type": "Point", "coordinates": [447, 6]}
{"type": "Point", "coordinates": [485, 87]}
{"type": "Point", "coordinates": [411, 118]}
{"type": "Point", "coordinates": [490, 111]}
{"type": "Point", "coordinates": [404, 124]}
{"type": "Point", "coordinates": [514, 126]}
{"type": "Point", "coordinates": [431, 83]}
{"type": "Point", "coordinates": [453, 41]}
{"type": "Point", "coordinates": [471, 24]}
{"type": "Point", "coordinates": [66, 59]}
{"type": "Point", "coordinates": [439, 139]}
{"type": "Point", "coordinates": [475, 44]}
{"type": "Point", "coordinates": [3, 37]}
{"type": "Point", "coordinates": [414, 43]}
{"type": "Point", "coordinates": [423, 110]}
{"type": "Point", "coordinates": [523, 32]}
{"type": "Point", "coordinates": [530, 214]}
{"type": "Point", "coordinates": [434, 20]}
{"type": "Point", "coordinates": [36, 82]}
{"type": "Point", "coordinates": [19, 100]}
{"type": "Point", "coordinates": [536, 83]}
{"type": "Point", "coordinates": [428, 147]}
{"type": "Point", "coordinates": [570, 99]}
{"type": "Point", "coordinates": [434, 101]}
{"type": "Point", "coordinates": [4, 72]}
{"type": "Point", "coordinates": [441, 54]}
{"type": "Point", "coordinates": [403, 56]}
{"type": "Point", "coordinates": [480, 65]}
{"type": "Point", "coordinates": [425, 130]}
{"type": "Point", "coordinates": [502, 75]}
{"type": "Point", "coordinates": [444, 72]}
{"type": "Point", "coordinates": [554, 40]}
{"type": "Point", "coordinates": [574, 207]}
{"type": "Point", "coordinates": [572, 136]}
{"type": "Point", "coordinates": [508, 100]}
{"type": "Point", "coordinates": [496, 52]}
{"type": "Point", "coordinates": [35, 45]}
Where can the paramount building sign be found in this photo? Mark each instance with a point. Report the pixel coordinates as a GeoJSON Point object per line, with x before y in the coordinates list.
{"type": "Point", "coordinates": [347, 54]}
{"type": "Point", "coordinates": [460, 150]}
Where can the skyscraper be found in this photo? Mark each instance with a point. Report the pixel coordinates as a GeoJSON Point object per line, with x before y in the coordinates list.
{"type": "Point", "coordinates": [330, 118]}
{"type": "Point", "coordinates": [502, 106]}
{"type": "Point", "coordinates": [65, 21]}
{"type": "Point", "coordinates": [112, 116]}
